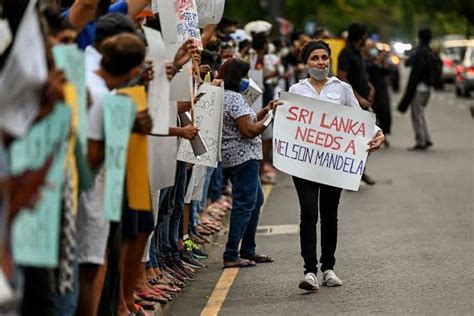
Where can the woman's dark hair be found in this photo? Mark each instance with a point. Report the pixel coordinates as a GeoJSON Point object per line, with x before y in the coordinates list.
{"type": "Point", "coordinates": [232, 71]}
{"type": "Point", "coordinates": [312, 45]}
{"type": "Point", "coordinates": [207, 58]}
{"type": "Point", "coordinates": [121, 53]}
{"type": "Point", "coordinates": [356, 32]}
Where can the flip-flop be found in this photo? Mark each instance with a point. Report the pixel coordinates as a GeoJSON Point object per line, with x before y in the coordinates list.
{"type": "Point", "coordinates": [239, 263]}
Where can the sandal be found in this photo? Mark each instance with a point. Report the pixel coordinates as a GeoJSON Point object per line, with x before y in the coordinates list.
{"type": "Point", "coordinates": [152, 297]}
{"type": "Point", "coordinates": [267, 179]}
{"type": "Point", "coordinates": [260, 258]}
{"type": "Point", "coordinates": [238, 263]}
{"type": "Point", "coordinates": [146, 305]}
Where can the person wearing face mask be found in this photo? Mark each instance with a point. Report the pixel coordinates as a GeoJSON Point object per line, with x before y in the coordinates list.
{"type": "Point", "coordinates": [316, 56]}
{"type": "Point", "coordinates": [241, 154]}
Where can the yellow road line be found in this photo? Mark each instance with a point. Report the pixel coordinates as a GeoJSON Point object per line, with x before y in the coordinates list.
{"type": "Point", "coordinates": [219, 294]}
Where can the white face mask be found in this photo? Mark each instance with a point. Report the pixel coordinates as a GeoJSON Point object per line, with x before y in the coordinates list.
{"type": "Point", "coordinates": [318, 74]}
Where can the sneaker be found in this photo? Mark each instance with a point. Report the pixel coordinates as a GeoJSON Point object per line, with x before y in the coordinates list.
{"type": "Point", "coordinates": [330, 279]}
{"type": "Point", "coordinates": [309, 283]}
{"type": "Point", "coordinates": [187, 257]}
{"type": "Point", "coordinates": [199, 254]}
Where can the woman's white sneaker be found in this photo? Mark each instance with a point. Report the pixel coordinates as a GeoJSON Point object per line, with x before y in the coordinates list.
{"type": "Point", "coordinates": [330, 279]}
{"type": "Point", "coordinates": [309, 283]}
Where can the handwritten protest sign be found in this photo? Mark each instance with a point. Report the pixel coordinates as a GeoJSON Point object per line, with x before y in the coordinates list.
{"type": "Point", "coordinates": [210, 11]}
{"type": "Point", "coordinates": [320, 141]}
{"type": "Point", "coordinates": [257, 77]}
{"type": "Point", "coordinates": [23, 76]}
{"type": "Point", "coordinates": [159, 87]}
{"type": "Point", "coordinates": [72, 60]}
{"type": "Point", "coordinates": [35, 233]}
{"type": "Point", "coordinates": [208, 112]}
{"type": "Point", "coordinates": [179, 21]}
{"type": "Point", "coordinates": [253, 93]}
{"type": "Point", "coordinates": [119, 115]}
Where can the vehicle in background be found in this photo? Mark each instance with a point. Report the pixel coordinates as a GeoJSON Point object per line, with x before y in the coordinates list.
{"type": "Point", "coordinates": [465, 70]}
{"type": "Point", "coordinates": [451, 55]}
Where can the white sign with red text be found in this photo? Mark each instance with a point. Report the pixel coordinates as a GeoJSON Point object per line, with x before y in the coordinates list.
{"type": "Point", "coordinates": [321, 141]}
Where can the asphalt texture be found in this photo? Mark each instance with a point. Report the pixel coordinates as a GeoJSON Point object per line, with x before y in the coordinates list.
{"type": "Point", "coordinates": [406, 245]}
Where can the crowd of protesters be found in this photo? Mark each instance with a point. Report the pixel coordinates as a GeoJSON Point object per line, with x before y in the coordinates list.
{"type": "Point", "coordinates": [110, 268]}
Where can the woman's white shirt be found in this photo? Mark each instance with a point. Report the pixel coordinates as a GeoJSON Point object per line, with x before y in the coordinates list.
{"type": "Point", "coordinates": [334, 91]}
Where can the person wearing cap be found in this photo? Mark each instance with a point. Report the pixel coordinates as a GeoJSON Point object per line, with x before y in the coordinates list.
{"type": "Point", "coordinates": [316, 56]}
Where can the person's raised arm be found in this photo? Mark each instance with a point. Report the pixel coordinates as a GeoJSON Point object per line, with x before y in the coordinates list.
{"type": "Point", "coordinates": [136, 6]}
{"type": "Point", "coordinates": [82, 12]}
{"type": "Point", "coordinates": [207, 33]}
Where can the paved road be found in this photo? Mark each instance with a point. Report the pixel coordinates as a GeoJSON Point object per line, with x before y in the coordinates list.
{"type": "Point", "coordinates": [406, 245]}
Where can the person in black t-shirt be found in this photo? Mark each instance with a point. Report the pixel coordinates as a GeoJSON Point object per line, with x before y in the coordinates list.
{"type": "Point", "coordinates": [352, 69]}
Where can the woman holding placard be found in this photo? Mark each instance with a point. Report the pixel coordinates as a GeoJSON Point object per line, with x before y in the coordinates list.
{"type": "Point", "coordinates": [241, 155]}
{"type": "Point", "coordinates": [317, 55]}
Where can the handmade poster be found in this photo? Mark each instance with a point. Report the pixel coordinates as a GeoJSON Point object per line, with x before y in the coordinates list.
{"type": "Point", "coordinates": [119, 115]}
{"type": "Point", "coordinates": [6, 292]}
{"type": "Point", "coordinates": [208, 112]}
{"type": "Point", "coordinates": [195, 187]}
{"type": "Point", "coordinates": [210, 11]}
{"type": "Point", "coordinates": [253, 93]}
{"type": "Point", "coordinates": [138, 188]}
{"type": "Point", "coordinates": [257, 78]}
{"type": "Point", "coordinates": [321, 141]}
{"type": "Point", "coordinates": [197, 144]}
{"type": "Point", "coordinates": [23, 76]}
{"type": "Point", "coordinates": [179, 21]}
{"type": "Point", "coordinates": [72, 60]}
{"type": "Point", "coordinates": [163, 162]}
{"type": "Point", "coordinates": [35, 233]}
{"type": "Point", "coordinates": [159, 87]}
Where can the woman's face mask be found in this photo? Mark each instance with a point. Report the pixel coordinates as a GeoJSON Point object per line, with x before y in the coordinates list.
{"type": "Point", "coordinates": [318, 74]}
{"type": "Point", "coordinates": [244, 85]}
{"type": "Point", "coordinates": [373, 52]}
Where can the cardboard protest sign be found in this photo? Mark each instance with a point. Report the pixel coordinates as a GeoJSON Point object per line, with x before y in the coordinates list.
{"type": "Point", "coordinates": [72, 60]}
{"type": "Point", "coordinates": [253, 93]}
{"type": "Point", "coordinates": [159, 87]}
{"type": "Point", "coordinates": [179, 21]}
{"type": "Point", "coordinates": [197, 144]}
{"type": "Point", "coordinates": [23, 76]}
{"type": "Point", "coordinates": [321, 141]}
{"type": "Point", "coordinates": [138, 187]}
{"type": "Point", "coordinates": [163, 162]}
{"type": "Point", "coordinates": [119, 115]}
{"type": "Point", "coordinates": [257, 77]}
{"type": "Point", "coordinates": [210, 11]}
{"type": "Point", "coordinates": [35, 233]}
{"type": "Point", "coordinates": [208, 112]}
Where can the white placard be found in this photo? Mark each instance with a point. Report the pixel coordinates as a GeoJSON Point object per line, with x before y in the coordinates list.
{"type": "Point", "coordinates": [210, 11]}
{"type": "Point", "coordinates": [253, 93]}
{"type": "Point", "coordinates": [321, 141]}
{"type": "Point", "coordinates": [179, 21]}
{"type": "Point", "coordinates": [159, 87]}
{"type": "Point", "coordinates": [162, 157]}
{"type": "Point", "coordinates": [5, 35]}
{"type": "Point", "coordinates": [24, 75]}
{"type": "Point", "coordinates": [208, 113]}
{"type": "Point", "coordinates": [257, 77]}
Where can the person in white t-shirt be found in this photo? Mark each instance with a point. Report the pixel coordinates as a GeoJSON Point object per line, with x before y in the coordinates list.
{"type": "Point", "coordinates": [316, 56]}
{"type": "Point", "coordinates": [122, 59]}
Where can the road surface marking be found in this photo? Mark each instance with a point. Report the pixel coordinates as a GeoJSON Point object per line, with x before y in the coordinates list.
{"type": "Point", "coordinates": [219, 294]}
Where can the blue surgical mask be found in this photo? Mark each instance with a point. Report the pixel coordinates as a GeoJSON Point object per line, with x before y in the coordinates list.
{"type": "Point", "coordinates": [244, 85]}
{"type": "Point", "coordinates": [134, 81]}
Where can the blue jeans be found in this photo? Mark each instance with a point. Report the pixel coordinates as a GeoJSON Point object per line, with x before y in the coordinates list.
{"type": "Point", "coordinates": [247, 199]}
{"type": "Point", "coordinates": [217, 183]}
{"type": "Point", "coordinates": [172, 207]}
